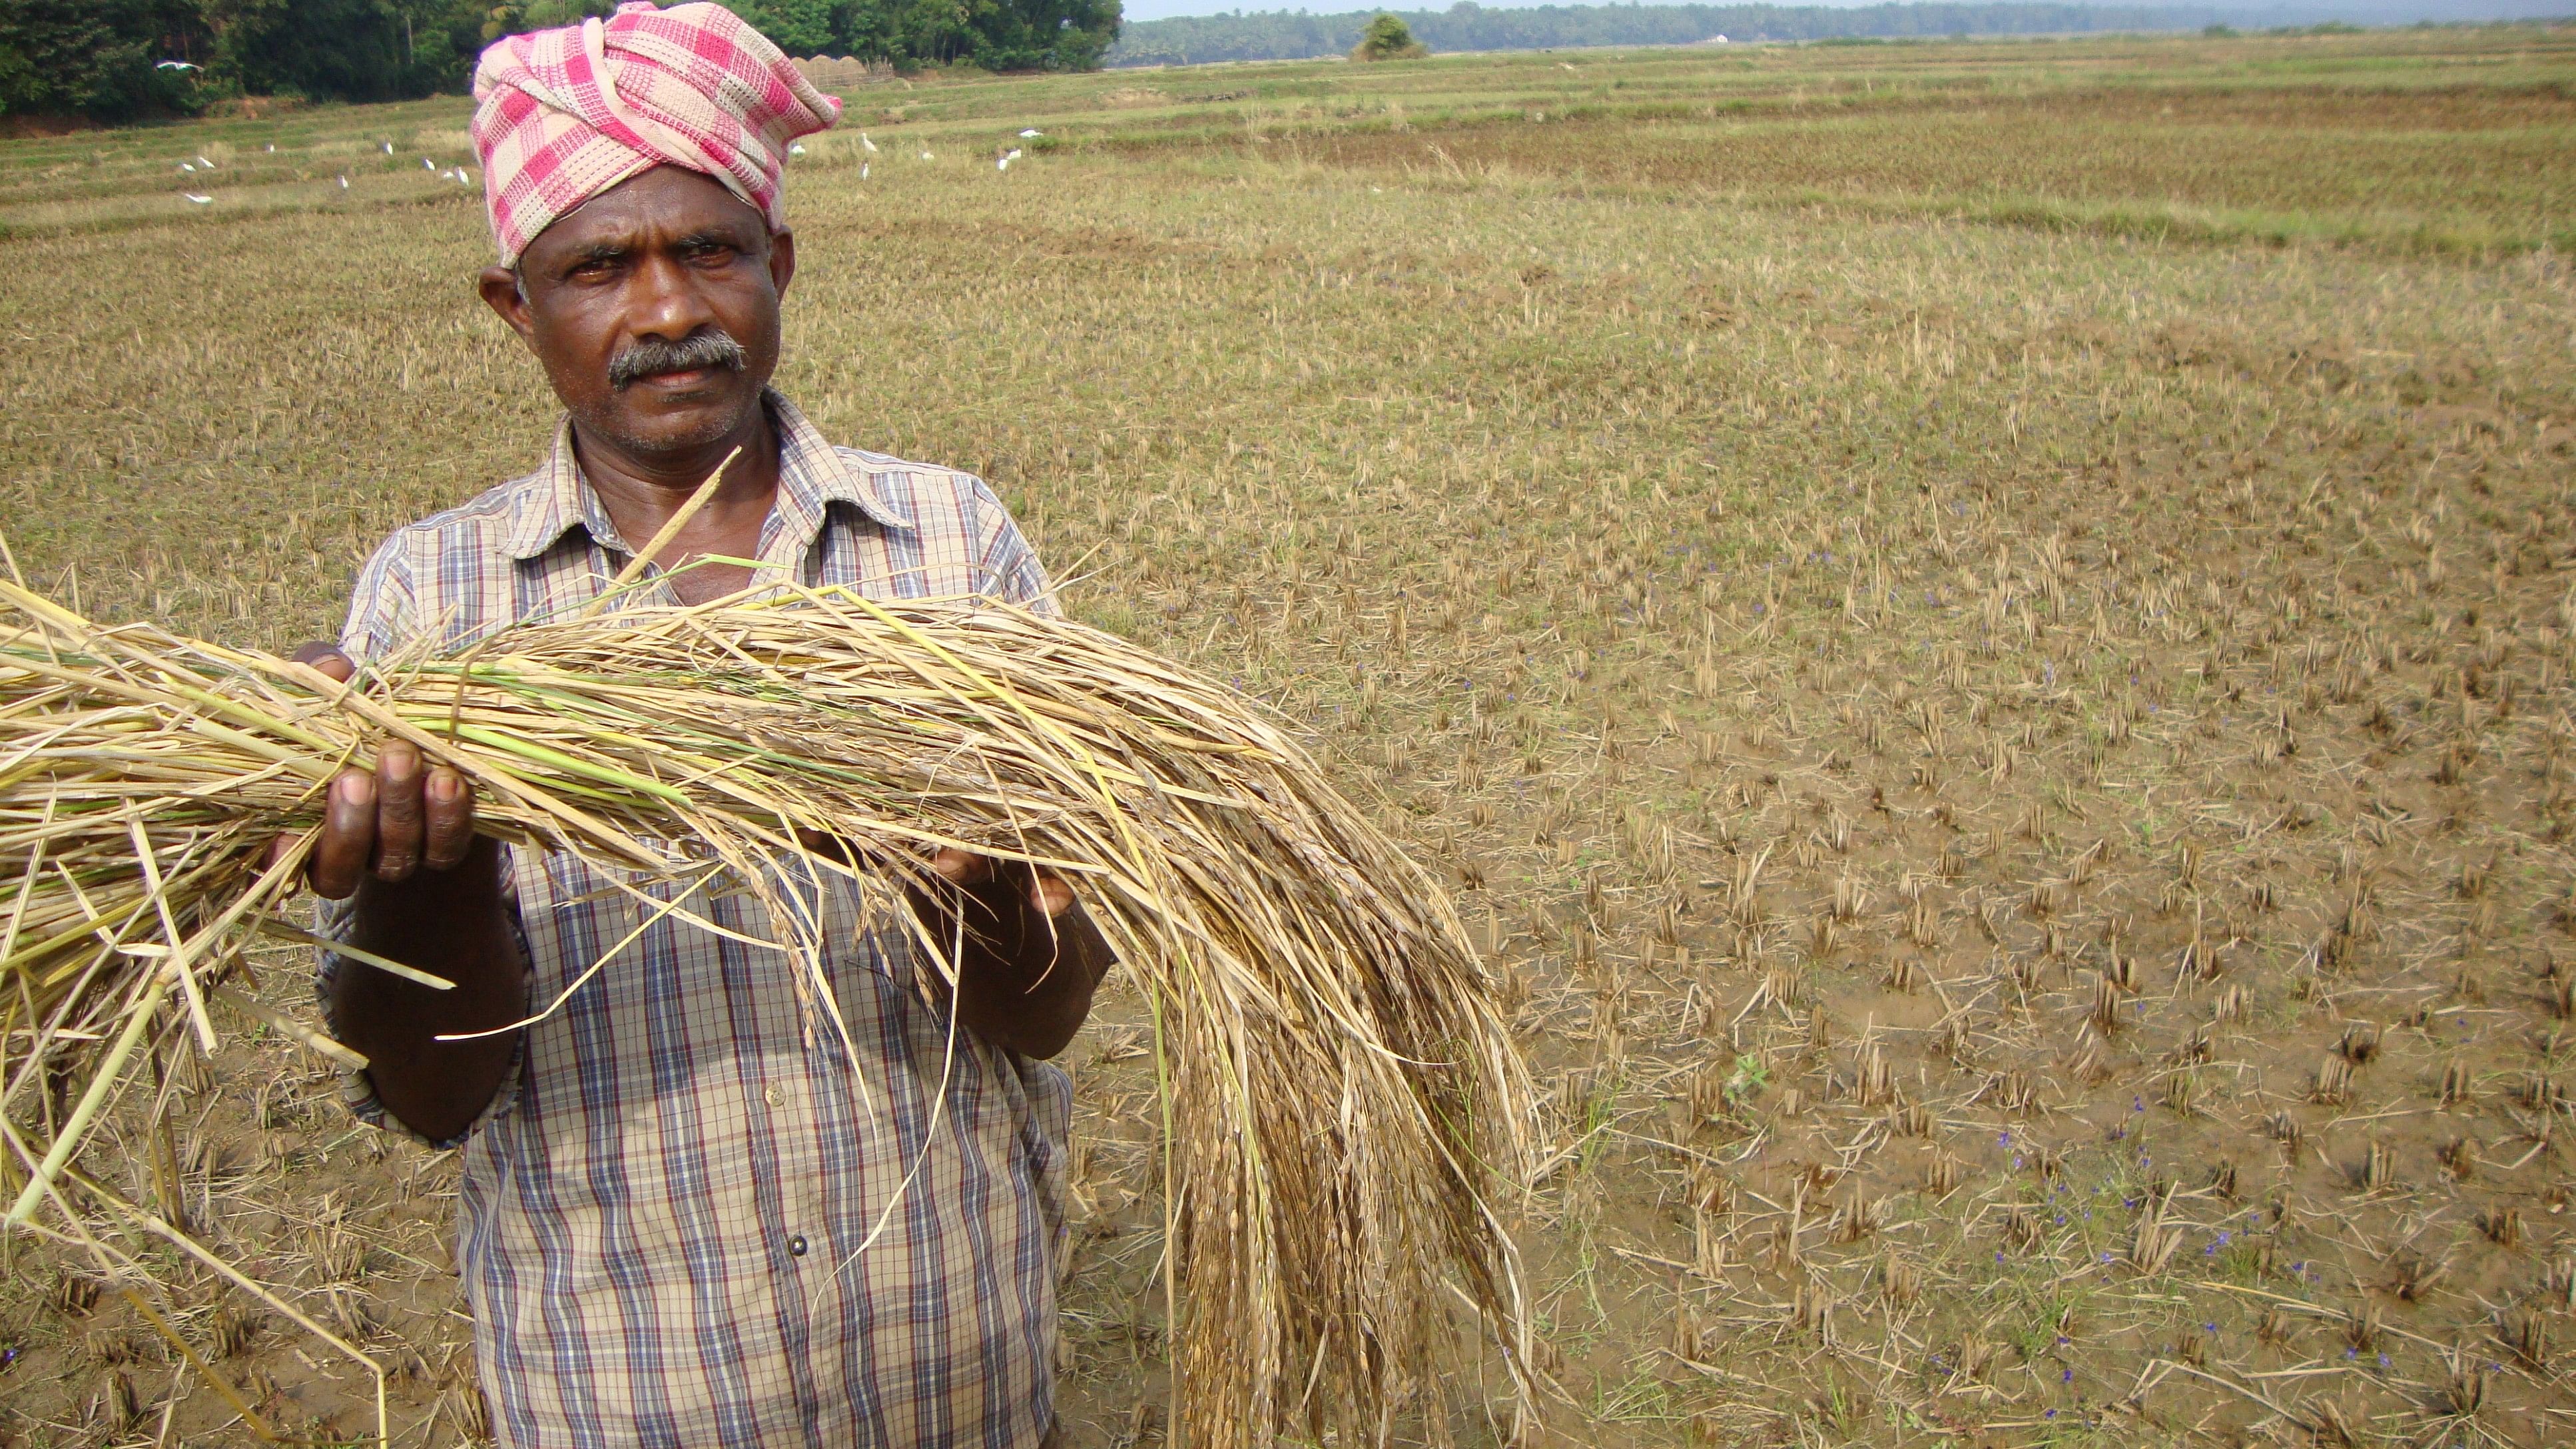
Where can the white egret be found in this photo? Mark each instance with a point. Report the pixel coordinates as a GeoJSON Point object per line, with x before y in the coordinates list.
{"type": "Point", "coordinates": [344, 183]}
{"type": "Point", "coordinates": [428, 165]}
{"type": "Point", "coordinates": [272, 148]}
{"type": "Point", "coordinates": [867, 145]}
{"type": "Point", "coordinates": [187, 169]}
{"type": "Point", "coordinates": [1014, 156]}
{"type": "Point", "coordinates": [389, 148]}
{"type": "Point", "coordinates": [925, 153]}
{"type": "Point", "coordinates": [796, 148]}
{"type": "Point", "coordinates": [1031, 134]}
{"type": "Point", "coordinates": [200, 200]}
{"type": "Point", "coordinates": [176, 65]}
{"type": "Point", "coordinates": [863, 171]}
{"type": "Point", "coordinates": [205, 164]}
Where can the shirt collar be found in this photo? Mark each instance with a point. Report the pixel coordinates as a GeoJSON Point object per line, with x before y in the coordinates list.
{"type": "Point", "coordinates": [812, 475]}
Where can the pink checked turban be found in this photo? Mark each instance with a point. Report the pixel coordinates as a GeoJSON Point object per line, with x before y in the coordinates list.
{"type": "Point", "coordinates": [562, 115]}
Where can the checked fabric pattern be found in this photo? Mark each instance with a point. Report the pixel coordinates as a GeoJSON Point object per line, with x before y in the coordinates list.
{"type": "Point", "coordinates": [685, 1221]}
{"type": "Point", "coordinates": [562, 115]}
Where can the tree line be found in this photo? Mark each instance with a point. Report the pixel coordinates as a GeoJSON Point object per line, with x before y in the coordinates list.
{"type": "Point", "coordinates": [115, 60]}
{"type": "Point", "coordinates": [1282, 35]}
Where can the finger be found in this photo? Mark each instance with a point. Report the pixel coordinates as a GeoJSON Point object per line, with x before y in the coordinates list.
{"type": "Point", "coordinates": [398, 810]}
{"type": "Point", "coordinates": [348, 835]}
{"type": "Point", "coordinates": [1050, 894]}
{"type": "Point", "coordinates": [961, 868]}
{"type": "Point", "coordinates": [448, 807]}
{"type": "Point", "coordinates": [327, 658]}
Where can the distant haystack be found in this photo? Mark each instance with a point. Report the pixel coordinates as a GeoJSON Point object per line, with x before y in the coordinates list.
{"type": "Point", "coordinates": [829, 75]}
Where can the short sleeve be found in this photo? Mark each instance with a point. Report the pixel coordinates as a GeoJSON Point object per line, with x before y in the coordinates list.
{"type": "Point", "coordinates": [1008, 566]}
{"type": "Point", "coordinates": [384, 607]}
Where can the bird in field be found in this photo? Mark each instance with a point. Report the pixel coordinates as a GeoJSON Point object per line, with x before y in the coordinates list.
{"type": "Point", "coordinates": [867, 145]}
{"type": "Point", "coordinates": [1014, 154]}
{"type": "Point", "coordinates": [428, 165]}
{"type": "Point", "coordinates": [925, 153]}
{"type": "Point", "coordinates": [205, 165]}
{"type": "Point", "coordinates": [177, 65]}
{"type": "Point", "coordinates": [272, 148]}
{"type": "Point", "coordinates": [863, 171]}
{"type": "Point", "coordinates": [1002, 165]}
{"type": "Point", "coordinates": [344, 183]}
{"type": "Point", "coordinates": [461, 178]}
{"type": "Point", "coordinates": [389, 148]}
{"type": "Point", "coordinates": [200, 200]}
{"type": "Point", "coordinates": [796, 148]}
{"type": "Point", "coordinates": [187, 169]}
{"type": "Point", "coordinates": [1031, 134]}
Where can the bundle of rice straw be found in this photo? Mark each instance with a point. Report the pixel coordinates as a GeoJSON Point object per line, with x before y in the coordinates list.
{"type": "Point", "coordinates": [1344, 1109]}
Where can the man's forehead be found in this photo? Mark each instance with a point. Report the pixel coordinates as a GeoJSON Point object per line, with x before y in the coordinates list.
{"type": "Point", "coordinates": [660, 204]}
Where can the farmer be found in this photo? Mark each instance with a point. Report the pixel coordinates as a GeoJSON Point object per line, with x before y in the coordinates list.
{"type": "Point", "coordinates": [694, 1211]}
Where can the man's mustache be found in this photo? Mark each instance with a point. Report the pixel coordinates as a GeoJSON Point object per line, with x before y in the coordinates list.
{"type": "Point", "coordinates": [713, 347]}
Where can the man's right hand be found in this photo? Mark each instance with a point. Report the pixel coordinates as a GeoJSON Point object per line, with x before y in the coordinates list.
{"type": "Point", "coordinates": [393, 837]}
{"type": "Point", "coordinates": [391, 823]}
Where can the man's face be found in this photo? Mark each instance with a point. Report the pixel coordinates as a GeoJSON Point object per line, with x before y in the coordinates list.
{"type": "Point", "coordinates": [654, 309]}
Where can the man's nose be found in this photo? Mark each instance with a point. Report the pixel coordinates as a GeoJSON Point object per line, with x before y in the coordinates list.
{"type": "Point", "coordinates": [666, 302]}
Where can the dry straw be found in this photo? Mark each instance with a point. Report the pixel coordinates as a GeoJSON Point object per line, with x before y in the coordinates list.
{"type": "Point", "coordinates": [1344, 1111]}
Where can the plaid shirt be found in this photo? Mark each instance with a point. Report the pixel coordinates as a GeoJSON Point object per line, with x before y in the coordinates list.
{"type": "Point", "coordinates": [663, 1208]}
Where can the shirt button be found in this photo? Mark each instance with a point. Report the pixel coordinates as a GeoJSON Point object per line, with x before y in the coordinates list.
{"type": "Point", "coordinates": [796, 1246]}
{"type": "Point", "coordinates": [773, 1096]}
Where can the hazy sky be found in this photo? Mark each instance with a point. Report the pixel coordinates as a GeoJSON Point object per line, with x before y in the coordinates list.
{"type": "Point", "coordinates": [2378, 11]}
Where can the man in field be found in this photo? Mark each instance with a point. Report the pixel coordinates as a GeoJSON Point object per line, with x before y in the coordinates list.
{"type": "Point", "coordinates": [693, 1214]}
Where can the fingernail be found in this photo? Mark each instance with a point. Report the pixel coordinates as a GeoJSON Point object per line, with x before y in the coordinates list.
{"type": "Point", "coordinates": [443, 786]}
{"type": "Point", "coordinates": [356, 789]}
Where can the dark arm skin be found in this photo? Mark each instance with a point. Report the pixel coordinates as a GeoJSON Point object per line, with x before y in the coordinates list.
{"type": "Point", "coordinates": [429, 895]}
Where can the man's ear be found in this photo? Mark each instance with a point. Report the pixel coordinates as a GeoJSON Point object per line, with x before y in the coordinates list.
{"type": "Point", "coordinates": [782, 260]}
{"type": "Point", "coordinates": [501, 293]}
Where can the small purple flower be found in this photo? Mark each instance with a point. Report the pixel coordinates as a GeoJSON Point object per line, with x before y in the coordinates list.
{"type": "Point", "coordinates": [2065, 1376]}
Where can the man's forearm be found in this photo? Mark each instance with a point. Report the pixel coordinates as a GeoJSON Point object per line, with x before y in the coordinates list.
{"type": "Point", "coordinates": [450, 923]}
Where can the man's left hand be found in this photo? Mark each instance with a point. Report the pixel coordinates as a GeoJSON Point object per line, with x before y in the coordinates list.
{"type": "Point", "coordinates": [1028, 958]}
{"type": "Point", "coordinates": [1047, 890]}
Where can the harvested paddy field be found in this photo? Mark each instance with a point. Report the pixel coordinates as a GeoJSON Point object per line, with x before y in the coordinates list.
{"type": "Point", "coordinates": [1983, 631]}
